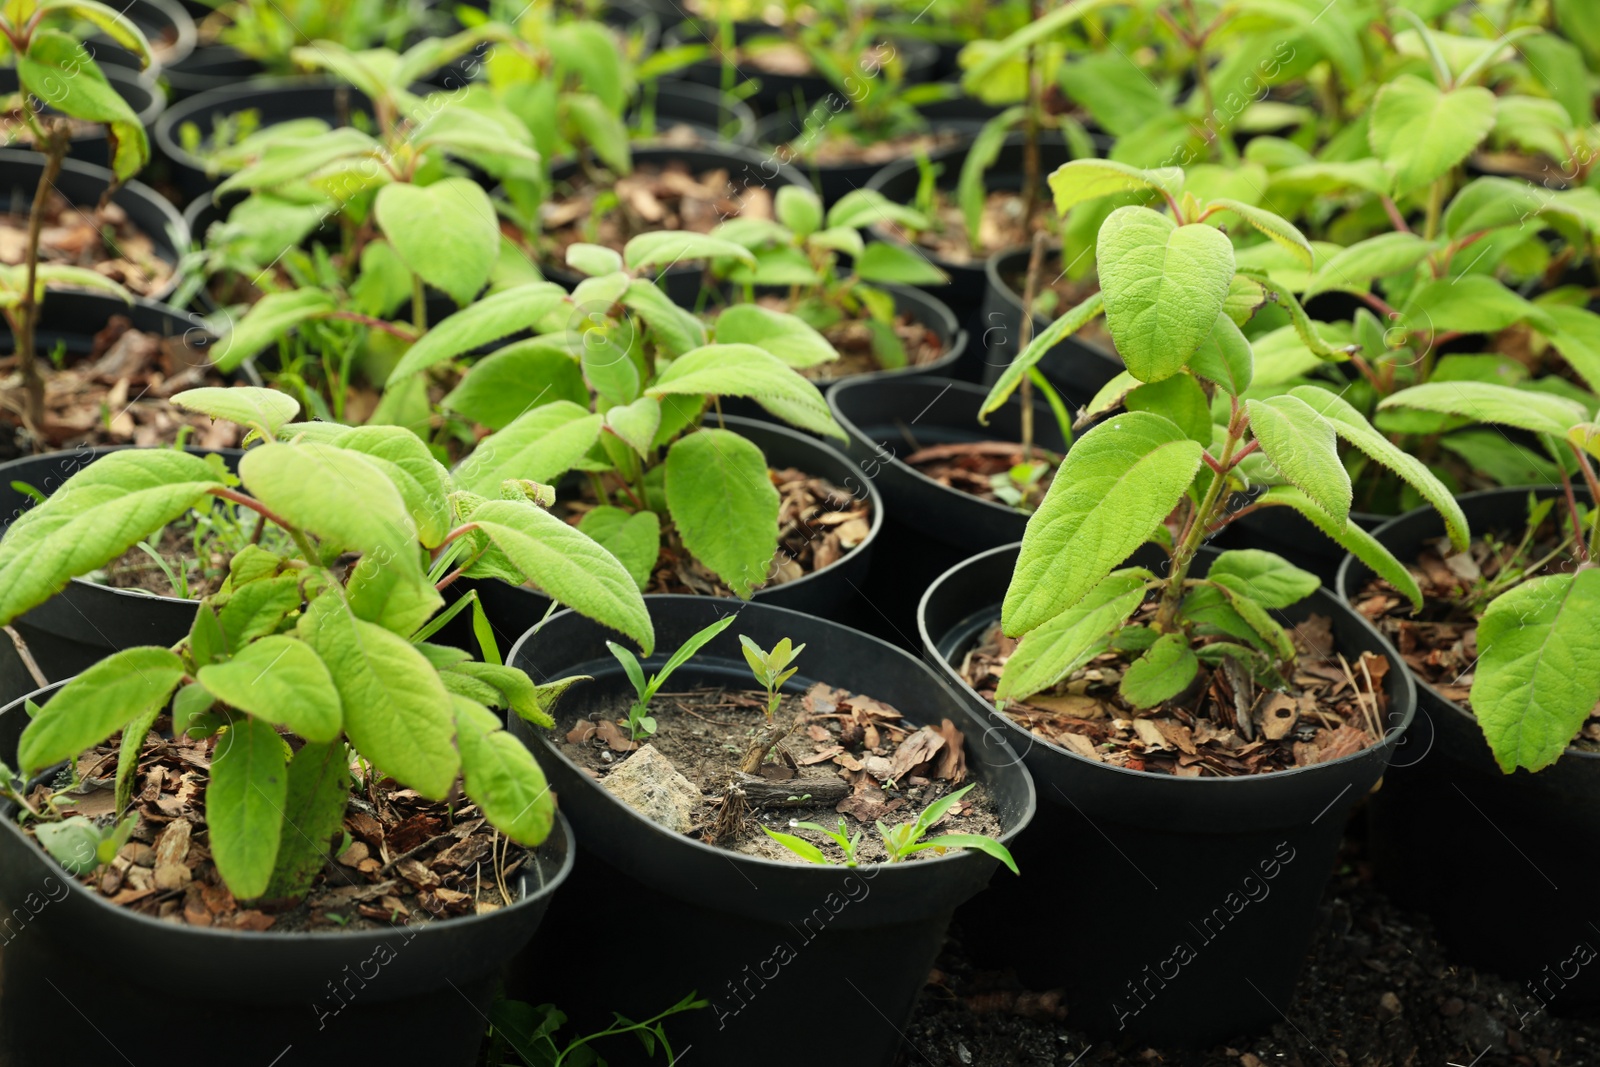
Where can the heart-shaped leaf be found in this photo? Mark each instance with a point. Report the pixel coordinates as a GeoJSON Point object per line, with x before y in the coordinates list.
{"type": "Point", "coordinates": [447, 233]}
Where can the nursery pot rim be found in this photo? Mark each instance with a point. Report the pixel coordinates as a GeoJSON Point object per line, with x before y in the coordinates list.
{"type": "Point", "coordinates": [1346, 569]}
{"type": "Point", "coordinates": [166, 125]}
{"type": "Point", "coordinates": [1390, 736]}
{"type": "Point", "coordinates": [215, 936]}
{"type": "Point", "coordinates": [187, 41]}
{"type": "Point", "coordinates": [816, 872]}
{"type": "Point", "coordinates": [991, 271]}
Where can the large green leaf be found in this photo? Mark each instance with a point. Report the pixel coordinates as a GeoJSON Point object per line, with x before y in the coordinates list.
{"type": "Point", "coordinates": [244, 805]}
{"type": "Point", "coordinates": [266, 408]}
{"type": "Point", "coordinates": [517, 379]}
{"type": "Point", "coordinates": [488, 320]}
{"type": "Point", "coordinates": [541, 444]}
{"type": "Point", "coordinates": [1354, 268]}
{"type": "Point", "coordinates": [745, 370]}
{"type": "Point", "coordinates": [1081, 180]}
{"type": "Point", "coordinates": [783, 335]}
{"type": "Point", "coordinates": [396, 711]}
{"type": "Point", "coordinates": [1349, 424]}
{"type": "Point", "coordinates": [1277, 228]}
{"type": "Point", "coordinates": [634, 539]}
{"type": "Point", "coordinates": [1490, 203]}
{"type": "Point", "coordinates": [1117, 484]}
{"type": "Point", "coordinates": [1349, 536]}
{"type": "Point", "coordinates": [1165, 670]}
{"type": "Point", "coordinates": [1538, 673]}
{"type": "Point", "coordinates": [1472, 303]}
{"type": "Point", "coordinates": [421, 480]}
{"type": "Point", "coordinates": [502, 776]}
{"type": "Point", "coordinates": [1225, 357]}
{"type": "Point", "coordinates": [1421, 133]}
{"type": "Point", "coordinates": [1048, 653]}
{"type": "Point", "coordinates": [1487, 402]}
{"type": "Point", "coordinates": [96, 516]}
{"type": "Point", "coordinates": [96, 704]}
{"type": "Point", "coordinates": [313, 814]}
{"type": "Point", "coordinates": [57, 69]}
{"type": "Point", "coordinates": [675, 330]}
{"type": "Point", "coordinates": [1265, 577]}
{"type": "Point", "coordinates": [257, 608]}
{"type": "Point", "coordinates": [279, 680]}
{"type": "Point", "coordinates": [569, 565]}
{"type": "Point", "coordinates": [447, 233]}
{"type": "Point", "coordinates": [1164, 285]}
{"type": "Point", "coordinates": [336, 494]}
{"type": "Point", "coordinates": [724, 505]}
{"type": "Point", "coordinates": [1303, 446]}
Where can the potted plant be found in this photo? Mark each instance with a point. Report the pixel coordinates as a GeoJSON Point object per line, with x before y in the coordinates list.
{"type": "Point", "coordinates": [1500, 651]}
{"type": "Point", "coordinates": [305, 683]}
{"type": "Point", "coordinates": [797, 910]}
{"type": "Point", "coordinates": [1125, 672]}
{"type": "Point", "coordinates": [618, 388]}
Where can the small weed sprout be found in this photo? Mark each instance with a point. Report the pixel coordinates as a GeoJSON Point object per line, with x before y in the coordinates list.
{"type": "Point", "coordinates": [773, 668]}
{"type": "Point", "coordinates": [899, 841]}
{"type": "Point", "coordinates": [641, 723]}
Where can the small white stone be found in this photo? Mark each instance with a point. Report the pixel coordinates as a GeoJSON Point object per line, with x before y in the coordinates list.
{"type": "Point", "coordinates": [648, 783]}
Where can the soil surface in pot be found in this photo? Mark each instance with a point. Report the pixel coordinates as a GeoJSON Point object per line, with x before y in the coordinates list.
{"type": "Point", "coordinates": [1440, 643]}
{"type": "Point", "coordinates": [818, 524]}
{"type": "Point", "coordinates": [1058, 293]}
{"type": "Point", "coordinates": [1378, 990]}
{"type": "Point", "coordinates": [653, 197]}
{"type": "Point", "coordinates": [103, 240]}
{"type": "Point", "coordinates": [1001, 227]}
{"type": "Point", "coordinates": [983, 469]}
{"type": "Point", "coordinates": [844, 755]}
{"type": "Point", "coordinates": [1227, 724]}
{"type": "Point", "coordinates": [194, 552]}
{"type": "Point", "coordinates": [407, 860]}
{"type": "Point", "coordinates": [115, 395]}
{"type": "Point", "coordinates": [848, 147]}
{"type": "Point", "coordinates": [856, 343]}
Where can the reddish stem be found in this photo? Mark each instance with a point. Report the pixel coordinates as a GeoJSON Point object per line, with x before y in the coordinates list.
{"type": "Point", "coordinates": [253, 504]}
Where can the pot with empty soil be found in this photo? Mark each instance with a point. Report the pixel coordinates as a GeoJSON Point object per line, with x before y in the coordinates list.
{"type": "Point", "coordinates": [946, 479]}
{"type": "Point", "coordinates": [1448, 815]}
{"type": "Point", "coordinates": [751, 904]}
{"type": "Point", "coordinates": [1212, 819]}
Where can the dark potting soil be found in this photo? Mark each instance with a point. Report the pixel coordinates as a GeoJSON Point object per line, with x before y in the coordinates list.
{"type": "Point", "coordinates": [101, 239]}
{"type": "Point", "coordinates": [1378, 990]}
{"type": "Point", "coordinates": [1001, 227]}
{"type": "Point", "coordinates": [1058, 294]}
{"type": "Point", "coordinates": [973, 466]}
{"type": "Point", "coordinates": [407, 859]}
{"type": "Point", "coordinates": [134, 569]}
{"type": "Point", "coordinates": [844, 756]}
{"type": "Point", "coordinates": [818, 523]}
{"type": "Point", "coordinates": [1225, 725]}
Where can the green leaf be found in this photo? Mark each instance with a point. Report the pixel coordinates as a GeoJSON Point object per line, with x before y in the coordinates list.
{"type": "Point", "coordinates": [1081, 180]}
{"type": "Point", "coordinates": [676, 330]}
{"type": "Point", "coordinates": [745, 370]}
{"type": "Point", "coordinates": [1049, 653]}
{"type": "Point", "coordinates": [992, 58]}
{"type": "Point", "coordinates": [518, 692]}
{"type": "Point", "coordinates": [336, 494]}
{"type": "Point", "coordinates": [1037, 349]}
{"type": "Point", "coordinates": [59, 70]}
{"type": "Point", "coordinates": [1161, 673]}
{"type": "Point", "coordinates": [1117, 484]}
{"type": "Point", "coordinates": [724, 505]}
{"type": "Point", "coordinates": [1486, 402]}
{"type": "Point", "coordinates": [1178, 398]}
{"type": "Point", "coordinates": [73, 842]}
{"type": "Point", "coordinates": [593, 260]}
{"type": "Point", "coordinates": [1472, 303]}
{"type": "Point", "coordinates": [540, 445]}
{"type": "Point", "coordinates": [244, 805]}
{"type": "Point", "coordinates": [1265, 577]}
{"type": "Point", "coordinates": [1225, 357]}
{"type": "Point", "coordinates": [666, 248]}
{"type": "Point", "coordinates": [798, 209]}
{"type": "Point", "coordinates": [287, 160]}
{"type": "Point", "coordinates": [1490, 203]}
{"type": "Point", "coordinates": [971, 189]}
{"type": "Point", "coordinates": [396, 711]}
{"type": "Point", "coordinates": [1303, 446]}
{"type": "Point", "coordinates": [860, 208]}
{"type": "Point", "coordinates": [133, 735]}
{"type": "Point", "coordinates": [783, 335]}
{"type": "Point", "coordinates": [634, 539]}
{"type": "Point", "coordinates": [636, 423]}
{"type": "Point", "coordinates": [257, 608]}
{"type": "Point", "coordinates": [516, 379]}
{"type": "Point", "coordinates": [881, 261]}
{"type": "Point", "coordinates": [1576, 335]}
{"type": "Point", "coordinates": [1351, 537]}
{"type": "Point", "coordinates": [569, 565]}
{"type": "Point", "coordinates": [111, 21]}
{"type": "Point", "coordinates": [798, 845]}
{"type": "Point", "coordinates": [274, 316]}
{"type": "Point", "coordinates": [1353, 269]}
{"type": "Point", "coordinates": [1266, 628]}
{"type": "Point", "coordinates": [1164, 285]}
{"type": "Point", "coordinates": [279, 680]}
{"type": "Point", "coordinates": [421, 480]}
{"type": "Point", "coordinates": [266, 408]}
{"type": "Point", "coordinates": [1421, 134]}
{"type": "Point", "coordinates": [97, 515]}
{"type": "Point", "coordinates": [1349, 424]}
{"type": "Point", "coordinates": [1277, 228]}
{"type": "Point", "coordinates": [976, 842]}
{"type": "Point", "coordinates": [188, 704]}
{"type": "Point", "coordinates": [502, 776]}
{"type": "Point", "coordinates": [1538, 672]}
{"type": "Point", "coordinates": [313, 813]}
{"type": "Point", "coordinates": [447, 233]}
{"type": "Point", "coordinates": [487, 320]}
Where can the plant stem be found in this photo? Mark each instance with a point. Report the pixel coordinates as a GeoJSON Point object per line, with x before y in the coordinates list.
{"type": "Point", "coordinates": [1194, 533]}
{"type": "Point", "coordinates": [1030, 151]}
{"type": "Point", "coordinates": [1430, 228]}
{"type": "Point", "coordinates": [419, 304]}
{"type": "Point", "coordinates": [1593, 482]}
{"type": "Point", "coordinates": [54, 146]}
{"type": "Point", "coordinates": [1030, 293]}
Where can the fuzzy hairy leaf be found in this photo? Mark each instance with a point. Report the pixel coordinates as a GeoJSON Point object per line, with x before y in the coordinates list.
{"type": "Point", "coordinates": [1028, 358]}
{"type": "Point", "coordinates": [541, 444]}
{"type": "Point", "coordinates": [244, 805]}
{"type": "Point", "coordinates": [724, 505]}
{"type": "Point", "coordinates": [1349, 536]}
{"type": "Point", "coordinates": [313, 813]}
{"type": "Point", "coordinates": [1277, 228]}
{"type": "Point", "coordinates": [1081, 180]}
{"type": "Point", "coordinates": [1265, 577]}
{"type": "Point", "coordinates": [745, 370]}
{"type": "Point", "coordinates": [247, 406]}
{"type": "Point", "coordinates": [1353, 269]}
{"type": "Point", "coordinates": [279, 680]}
{"type": "Point", "coordinates": [1303, 446]}
{"type": "Point", "coordinates": [1164, 671]}
{"type": "Point", "coordinates": [1487, 402]}
{"type": "Point", "coordinates": [501, 775]}
{"type": "Point", "coordinates": [1421, 133]}
{"type": "Point", "coordinates": [1050, 652]}
{"type": "Point", "coordinates": [498, 315]}
{"type": "Point", "coordinates": [776, 332]}
{"type": "Point", "coordinates": [447, 233]}
{"type": "Point", "coordinates": [1225, 357]}
{"type": "Point", "coordinates": [96, 704]}
{"type": "Point", "coordinates": [334, 493]}
{"type": "Point", "coordinates": [634, 539]}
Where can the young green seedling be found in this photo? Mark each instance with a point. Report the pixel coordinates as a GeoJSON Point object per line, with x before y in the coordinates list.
{"type": "Point", "coordinates": [771, 668]}
{"type": "Point", "coordinates": [641, 723]}
{"type": "Point", "coordinates": [900, 841]}
{"type": "Point", "coordinates": [811, 853]}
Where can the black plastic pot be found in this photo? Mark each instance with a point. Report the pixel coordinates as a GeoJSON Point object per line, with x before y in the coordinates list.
{"type": "Point", "coordinates": [929, 527]}
{"type": "Point", "coordinates": [1211, 884]}
{"type": "Point", "coordinates": [699, 107]}
{"type": "Point", "coordinates": [303, 998]}
{"type": "Point", "coordinates": [169, 28]}
{"type": "Point", "coordinates": [275, 99]}
{"type": "Point", "coordinates": [1504, 863]}
{"type": "Point", "coordinates": [780, 131]}
{"type": "Point", "coordinates": [782, 90]}
{"type": "Point", "coordinates": [512, 610]}
{"type": "Point", "coordinates": [1076, 366]}
{"type": "Point", "coordinates": [85, 622]}
{"type": "Point", "coordinates": [212, 66]}
{"type": "Point", "coordinates": [859, 941]}
{"type": "Point", "coordinates": [83, 184]}
{"type": "Point", "coordinates": [965, 292]}
{"type": "Point", "coordinates": [635, 21]}
{"type": "Point", "coordinates": [746, 167]}
{"type": "Point", "coordinates": [92, 145]}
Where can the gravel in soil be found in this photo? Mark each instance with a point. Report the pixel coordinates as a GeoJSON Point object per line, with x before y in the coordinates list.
{"type": "Point", "coordinates": [1377, 991]}
{"type": "Point", "coordinates": [843, 756]}
{"type": "Point", "coordinates": [1225, 724]}
{"type": "Point", "coordinates": [101, 239]}
{"type": "Point", "coordinates": [409, 860]}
